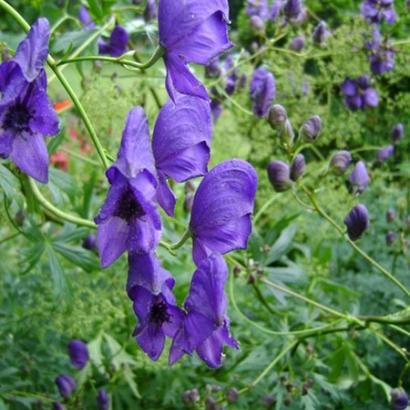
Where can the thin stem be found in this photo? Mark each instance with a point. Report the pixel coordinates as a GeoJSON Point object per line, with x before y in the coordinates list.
{"type": "Point", "coordinates": [264, 208]}
{"type": "Point", "coordinates": [61, 21]}
{"type": "Point", "coordinates": [184, 238]}
{"type": "Point", "coordinates": [57, 212]}
{"type": "Point", "coordinates": [10, 237]}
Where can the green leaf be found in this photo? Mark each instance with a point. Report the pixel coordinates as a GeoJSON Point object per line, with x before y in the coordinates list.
{"type": "Point", "coordinates": [94, 348]}
{"type": "Point", "coordinates": [57, 274]}
{"type": "Point", "coordinates": [71, 233]}
{"type": "Point", "coordinates": [78, 256]}
{"type": "Point", "coordinates": [282, 244]}
{"type": "Point", "coordinates": [130, 379]}
{"type": "Point", "coordinates": [71, 39]}
{"type": "Point", "coordinates": [8, 182]}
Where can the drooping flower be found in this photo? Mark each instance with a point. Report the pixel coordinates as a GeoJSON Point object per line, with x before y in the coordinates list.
{"type": "Point", "coordinates": [321, 34]}
{"type": "Point", "coordinates": [78, 352]}
{"type": "Point", "coordinates": [399, 399]}
{"type": "Point", "coordinates": [311, 129]}
{"type": "Point", "coordinates": [341, 161]}
{"type": "Point", "coordinates": [279, 175]}
{"type": "Point", "coordinates": [85, 18]}
{"type": "Point", "coordinates": [385, 153]}
{"type": "Point", "coordinates": [26, 114]}
{"type": "Point", "coordinates": [116, 45]}
{"type": "Point", "coordinates": [294, 10]}
{"type": "Point", "coordinates": [397, 133]}
{"type": "Point", "coordinates": [206, 326]}
{"type": "Point", "coordinates": [65, 384]}
{"type": "Point", "coordinates": [277, 116]}
{"type": "Point", "coordinates": [297, 44]}
{"type": "Point", "coordinates": [382, 55]}
{"type": "Point", "coordinates": [359, 94]}
{"type": "Point", "coordinates": [262, 91]}
{"type": "Point", "coordinates": [232, 75]}
{"type": "Point", "coordinates": [129, 220]}
{"type": "Point", "coordinates": [103, 400]}
{"type": "Point", "coordinates": [297, 168]}
{"type": "Point", "coordinates": [201, 35]}
{"type": "Point", "coordinates": [158, 318]}
{"type": "Point", "coordinates": [377, 11]}
{"type": "Point", "coordinates": [222, 209]}
{"type": "Point", "coordinates": [257, 24]}
{"type": "Point", "coordinates": [259, 8]}
{"type": "Point", "coordinates": [181, 144]}
{"type": "Point", "coordinates": [359, 178]}
{"type": "Point", "coordinates": [357, 221]}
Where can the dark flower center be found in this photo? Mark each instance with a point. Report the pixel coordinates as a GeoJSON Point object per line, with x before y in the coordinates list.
{"type": "Point", "coordinates": [159, 313]}
{"type": "Point", "coordinates": [17, 118]}
{"type": "Point", "coordinates": [128, 206]}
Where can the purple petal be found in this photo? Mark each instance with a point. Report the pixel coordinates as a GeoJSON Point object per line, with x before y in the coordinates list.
{"type": "Point", "coordinates": [6, 143]}
{"type": "Point", "coordinates": [32, 52]}
{"type": "Point", "coordinates": [371, 97]}
{"type": "Point", "coordinates": [78, 352]}
{"type": "Point", "coordinates": [112, 236]}
{"type": "Point", "coordinates": [262, 91]}
{"type": "Point", "coordinates": [349, 88]}
{"type": "Point", "coordinates": [143, 300]}
{"type": "Point", "coordinates": [143, 235]}
{"type": "Point", "coordinates": [85, 18]}
{"type": "Point", "coordinates": [182, 137]}
{"type": "Point", "coordinates": [30, 154]}
{"type": "Point", "coordinates": [45, 120]}
{"type": "Point", "coordinates": [12, 81]}
{"type": "Point", "coordinates": [118, 41]}
{"type": "Point", "coordinates": [151, 339]}
{"type": "Point", "coordinates": [166, 197]}
{"type": "Point", "coordinates": [172, 326]}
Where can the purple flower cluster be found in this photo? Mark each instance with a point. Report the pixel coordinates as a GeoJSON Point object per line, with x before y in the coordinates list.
{"type": "Point", "coordinates": [381, 54]}
{"type": "Point", "coordinates": [377, 11]}
{"type": "Point", "coordinates": [129, 220]}
{"type": "Point", "coordinates": [359, 93]}
{"type": "Point", "coordinates": [26, 113]}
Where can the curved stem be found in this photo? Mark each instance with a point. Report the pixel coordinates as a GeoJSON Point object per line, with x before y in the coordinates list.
{"type": "Point", "coordinates": [184, 238]}
{"type": "Point", "coordinates": [265, 206]}
{"type": "Point", "coordinates": [362, 253]}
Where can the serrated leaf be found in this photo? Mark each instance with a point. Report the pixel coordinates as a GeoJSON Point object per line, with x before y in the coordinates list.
{"type": "Point", "coordinates": [57, 273]}
{"type": "Point", "coordinates": [94, 349]}
{"type": "Point", "coordinates": [78, 256]}
{"type": "Point", "coordinates": [130, 379]}
{"type": "Point", "coordinates": [71, 233]}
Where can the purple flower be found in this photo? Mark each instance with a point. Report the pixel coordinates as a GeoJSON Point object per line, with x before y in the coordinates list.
{"type": "Point", "coordinates": [151, 10]}
{"type": "Point", "coordinates": [382, 55]}
{"type": "Point", "coordinates": [321, 34]}
{"type": "Point", "coordinates": [103, 400]}
{"type": "Point", "coordinates": [258, 8]}
{"type": "Point", "coordinates": [359, 178]}
{"type": "Point", "coordinates": [397, 133]}
{"type": "Point", "coordinates": [359, 94]}
{"type": "Point", "coordinates": [26, 114]}
{"type": "Point", "coordinates": [78, 353]}
{"type": "Point", "coordinates": [385, 153]}
{"type": "Point", "coordinates": [58, 406]}
{"type": "Point", "coordinates": [294, 10]}
{"type": "Point", "coordinates": [262, 91]}
{"type": "Point", "coordinates": [257, 24]}
{"type": "Point", "coordinates": [85, 18]}
{"type": "Point", "coordinates": [277, 116]}
{"type": "Point", "coordinates": [399, 399]}
{"type": "Point", "coordinates": [213, 69]}
{"type": "Point", "coordinates": [129, 220]}
{"type": "Point", "coordinates": [206, 325]}
{"type": "Point", "coordinates": [216, 110]}
{"type": "Point", "coordinates": [357, 221]}
{"type": "Point", "coordinates": [117, 43]}
{"type": "Point", "coordinates": [232, 77]}
{"type": "Point", "coordinates": [376, 11]}
{"type": "Point", "coordinates": [297, 168]}
{"type": "Point", "coordinates": [297, 44]}
{"type": "Point", "coordinates": [222, 208]}
{"type": "Point", "coordinates": [65, 384]}
{"type": "Point", "coordinates": [277, 7]}
{"type": "Point", "coordinates": [279, 175]}
{"type": "Point", "coordinates": [90, 243]}
{"type": "Point", "coordinates": [390, 237]}
{"type": "Point", "coordinates": [311, 129]}
{"type": "Point", "coordinates": [181, 144]}
{"type": "Point", "coordinates": [201, 35]}
{"type": "Point", "coordinates": [341, 161]}
{"type": "Point", "coordinates": [158, 317]}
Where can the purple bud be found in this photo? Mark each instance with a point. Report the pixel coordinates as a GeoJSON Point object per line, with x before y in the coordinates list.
{"type": "Point", "coordinates": [399, 399]}
{"type": "Point", "coordinates": [293, 9]}
{"type": "Point", "coordinates": [397, 133]}
{"type": "Point", "coordinates": [213, 69]}
{"type": "Point", "coordinates": [268, 401]}
{"type": "Point", "coordinates": [390, 237]}
{"type": "Point", "coordinates": [408, 4]}
{"type": "Point", "coordinates": [297, 169]}
{"type": "Point", "coordinates": [151, 10]}
{"type": "Point", "coordinates": [66, 385]}
{"type": "Point", "coordinates": [321, 33]}
{"type": "Point", "coordinates": [279, 175]}
{"type": "Point", "coordinates": [341, 161]}
{"type": "Point", "coordinates": [257, 23]}
{"type": "Point", "coordinates": [390, 215]}
{"type": "Point", "coordinates": [78, 353]}
{"type": "Point", "coordinates": [210, 404]}
{"type": "Point", "coordinates": [190, 397]}
{"type": "Point", "coordinates": [58, 406]}
{"type": "Point", "coordinates": [90, 243]}
{"type": "Point", "coordinates": [277, 116]}
{"type": "Point", "coordinates": [297, 44]}
{"type": "Point", "coordinates": [357, 221]}
{"type": "Point", "coordinates": [359, 178]}
{"type": "Point", "coordinates": [232, 395]}
{"type": "Point", "coordinates": [311, 129]}
{"type": "Point", "coordinates": [103, 400]}
{"type": "Point", "coordinates": [385, 153]}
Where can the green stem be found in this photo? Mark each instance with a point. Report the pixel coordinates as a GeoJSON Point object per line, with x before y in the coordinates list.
{"type": "Point", "coordinates": [10, 237]}
{"type": "Point", "coordinates": [266, 205]}
{"type": "Point", "coordinates": [61, 21]}
{"type": "Point", "coordinates": [371, 261]}
{"type": "Point", "coordinates": [184, 238]}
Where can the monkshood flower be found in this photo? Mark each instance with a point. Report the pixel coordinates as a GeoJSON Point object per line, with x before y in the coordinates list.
{"type": "Point", "coordinates": [257, 24]}
{"type": "Point", "coordinates": [65, 384]}
{"type": "Point", "coordinates": [340, 162]}
{"type": "Point", "coordinates": [117, 43]}
{"type": "Point", "coordinates": [359, 94]}
{"type": "Point", "coordinates": [103, 400]}
{"type": "Point", "coordinates": [277, 7]}
{"type": "Point", "coordinates": [385, 153]}
{"type": "Point", "coordinates": [321, 34]}
{"type": "Point", "coordinates": [297, 44]}
{"type": "Point", "coordinates": [294, 10]}
{"type": "Point", "coordinates": [158, 317]}
{"type": "Point", "coordinates": [129, 219]}
{"type": "Point", "coordinates": [259, 8]}
{"type": "Point", "coordinates": [399, 399]}
{"type": "Point", "coordinates": [397, 133]}
{"type": "Point", "coordinates": [85, 18]}
{"type": "Point", "coordinates": [201, 35]}
{"type": "Point", "coordinates": [78, 352]}
{"type": "Point", "coordinates": [26, 113]}
{"type": "Point", "coordinates": [382, 55]}
{"type": "Point", "coordinates": [262, 91]}
{"type": "Point", "coordinates": [359, 178]}
{"type": "Point", "coordinates": [213, 69]}
{"type": "Point", "coordinates": [311, 129]}
{"type": "Point", "coordinates": [297, 169]}
{"type": "Point", "coordinates": [181, 144]}
{"type": "Point", "coordinates": [206, 326]}
{"type": "Point", "coordinates": [151, 10]}
{"type": "Point", "coordinates": [377, 11]}
{"type": "Point", "coordinates": [277, 116]}
{"type": "Point", "coordinates": [357, 221]}
{"type": "Point", "coordinates": [222, 209]}
{"type": "Point", "coordinates": [279, 175]}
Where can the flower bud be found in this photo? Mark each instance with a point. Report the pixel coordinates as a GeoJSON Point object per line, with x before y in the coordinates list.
{"type": "Point", "coordinates": [90, 243]}
{"type": "Point", "coordinates": [297, 44]}
{"type": "Point", "coordinates": [397, 133]}
{"type": "Point", "coordinates": [103, 400]}
{"type": "Point", "coordinates": [390, 237]}
{"type": "Point", "coordinates": [78, 353]}
{"type": "Point", "coordinates": [390, 215]}
{"type": "Point", "coordinates": [268, 401]}
{"type": "Point", "coordinates": [297, 169]}
{"type": "Point", "coordinates": [311, 129]}
{"type": "Point", "coordinates": [277, 116]}
{"type": "Point", "coordinates": [232, 395]}
{"type": "Point", "coordinates": [213, 69]}
{"type": "Point", "coordinates": [58, 406]}
{"type": "Point", "coordinates": [279, 175]}
{"type": "Point", "coordinates": [190, 397]}
{"type": "Point", "coordinates": [210, 404]}
{"type": "Point", "coordinates": [257, 23]}
{"type": "Point", "coordinates": [320, 34]}
{"type": "Point", "coordinates": [66, 385]}
{"type": "Point", "coordinates": [399, 399]}
{"type": "Point", "coordinates": [359, 178]}
{"type": "Point", "coordinates": [357, 221]}
{"type": "Point", "coordinates": [385, 153]}
{"type": "Point", "coordinates": [293, 9]}
{"type": "Point", "coordinates": [151, 10]}
{"type": "Point", "coordinates": [340, 162]}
